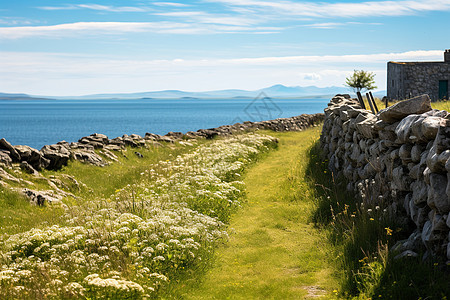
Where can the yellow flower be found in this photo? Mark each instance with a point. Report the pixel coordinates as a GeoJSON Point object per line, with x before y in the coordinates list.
{"type": "Point", "coordinates": [371, 219]}
{"type": "Point", "coordinates": [388, 231]}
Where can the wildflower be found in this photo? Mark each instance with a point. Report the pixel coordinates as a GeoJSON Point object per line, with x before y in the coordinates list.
{"type": "Point", "coordinates": [388, 231]}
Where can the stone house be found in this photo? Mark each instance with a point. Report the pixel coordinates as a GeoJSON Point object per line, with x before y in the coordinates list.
{"type": "Point", "coordinates": [410, 79]}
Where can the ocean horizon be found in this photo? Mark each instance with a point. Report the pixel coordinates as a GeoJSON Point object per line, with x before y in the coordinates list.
{"type": "Point", "coordinates": [42, 122]}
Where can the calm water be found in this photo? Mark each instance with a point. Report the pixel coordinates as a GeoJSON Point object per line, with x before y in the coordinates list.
{"type": "Point", "coordinates": [41, 122]}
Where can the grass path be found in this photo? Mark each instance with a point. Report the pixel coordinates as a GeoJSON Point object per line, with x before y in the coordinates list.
{"type": "Point", "coordinates": [273, 251]}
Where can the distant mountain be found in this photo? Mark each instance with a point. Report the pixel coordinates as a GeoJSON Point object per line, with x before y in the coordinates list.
{"type": "Point", "coordinates": [275, 91]}
{"type": "Point", "coordinates": [6, 96]}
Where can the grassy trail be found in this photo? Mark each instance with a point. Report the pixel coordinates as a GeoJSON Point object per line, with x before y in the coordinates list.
{"type": "Point", "coordinates": [274, 252]}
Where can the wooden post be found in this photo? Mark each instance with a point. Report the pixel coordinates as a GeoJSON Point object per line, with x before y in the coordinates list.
{"type": "Point", "coordinates": [386, 100]}
{"type": "Point", "coordinates": [361, 100]}
{"type": "Point", "coordinates": [370, 104]}
{"type": "Point", "coordinates": [373, 101]}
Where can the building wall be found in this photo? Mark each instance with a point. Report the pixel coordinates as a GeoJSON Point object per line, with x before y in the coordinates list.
{"type": "Point", "coordinates": [406, 80]}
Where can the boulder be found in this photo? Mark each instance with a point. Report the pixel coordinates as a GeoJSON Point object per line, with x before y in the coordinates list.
{"type": "Point", "coordinates": [366, 127]}
{"type": "Point", "coordinates": [40, 198]}
{"type": "Point", "coordinates": [5, 159]}
{"type": "Point", "coordinates": [58, 156]}
{"type": "Point", "coordinates": [398, 111]}
{"type": "Point", "coordinates": [5, 145]}
{"type": "Point", "coordinates": [32, 156]}
{"type": "Point", "coordinates": [88, 157]}
{"type": "Point", "coordinates": [28, 168]}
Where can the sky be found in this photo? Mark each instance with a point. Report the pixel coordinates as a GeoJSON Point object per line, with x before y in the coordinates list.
{"type": "Point", "coordinates": [67, 47]}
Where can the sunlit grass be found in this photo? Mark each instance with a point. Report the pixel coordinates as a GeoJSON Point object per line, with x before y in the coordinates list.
{"type": "Point", "coordinates": [274, 251]}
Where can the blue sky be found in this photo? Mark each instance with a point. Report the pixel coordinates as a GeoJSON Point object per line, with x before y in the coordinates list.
{"type": "Point", "coordinates": [67, 47]}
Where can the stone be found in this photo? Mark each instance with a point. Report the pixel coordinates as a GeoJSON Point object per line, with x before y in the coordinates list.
{"type": "Point", "coordinates": [32, 156]}
{"type": "Point", "coordinates": [28, 168]}
{"type": "Point", "coordinates": [113, 147]}
{"type": "Point", "coordinates": [416, 152]}
{"type": "Point", "coordinates": [405, 153]}
{"type": "Point", "coordinates": [437, 196]}
{"type": "Point", "coordinates": [41, 198]}
{"type": "Point", "coordinates": [5, 145]}
{"type": "Point", "coordinates": [403, 129]}
{"type": "Point", "coordinates": [88, 157]}
{"type": "Point", "coordinates": [138, 154]}
{"type": "Point", "coordinates": [58, 156]}
{"type": "Point", "coordinates": [366, 127]}
{"type": "Point", "coordinates": [175, 135]}
{"type": "Point", "coordinates": [5, 160]}
{"type": "Point", "coordinates": [430, 126]}
{"type": "Point", "coordinates": [398, 111]}
{"type": "Point", "coordinates": [420, 193]}
{"type": "Point", "coordinates": [406, 253]}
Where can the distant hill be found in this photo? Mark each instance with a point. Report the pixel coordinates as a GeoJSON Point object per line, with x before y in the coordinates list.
{"type": "Point", "coordinates": [275, 91]}
{"type": "Point", "coordinates": [6, 96]}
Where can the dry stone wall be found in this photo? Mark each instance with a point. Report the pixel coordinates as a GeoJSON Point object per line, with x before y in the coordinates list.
{"type": "Point", "coordinates": [55, 156]}
{"type": "Point", "coordinates": [399, 160]}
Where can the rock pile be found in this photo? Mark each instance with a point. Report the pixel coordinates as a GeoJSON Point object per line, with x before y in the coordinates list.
{"type": "Point", "coordinates": [398, 159]}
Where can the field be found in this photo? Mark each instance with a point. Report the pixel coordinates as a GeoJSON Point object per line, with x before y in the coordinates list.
{"type": "Point", "coordinates": [252, 216]}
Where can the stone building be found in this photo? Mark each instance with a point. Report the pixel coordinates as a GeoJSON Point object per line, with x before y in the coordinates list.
{"type": "Point", "coordinates": [410, 79]}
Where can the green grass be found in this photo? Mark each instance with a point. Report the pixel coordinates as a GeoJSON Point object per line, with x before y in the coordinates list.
{"type": "Point", "coordinates": [17, 215]}
{"type": "Point", "coordinates": [274, 250]}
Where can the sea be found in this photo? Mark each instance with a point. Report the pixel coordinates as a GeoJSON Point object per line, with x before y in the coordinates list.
{"type": "Point", "coordinates": [42, 122]}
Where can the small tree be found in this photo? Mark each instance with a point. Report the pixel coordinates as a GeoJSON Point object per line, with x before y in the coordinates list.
{"type": "Point", "coordinates": [361, 80]}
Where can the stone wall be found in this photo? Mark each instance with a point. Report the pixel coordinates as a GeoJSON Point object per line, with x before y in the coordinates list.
{"type": "Point", "coordinates": [88, 148]}
{"type": "Point", "coordinates": [410, 79]}
{"type": "Point", "coordinates": [399, 160]}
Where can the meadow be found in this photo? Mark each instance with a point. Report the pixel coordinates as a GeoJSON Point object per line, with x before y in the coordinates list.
{"type": "Point", "coordinates": [144, 235]}
{"type": "Point", "coordinates": [251, 216]}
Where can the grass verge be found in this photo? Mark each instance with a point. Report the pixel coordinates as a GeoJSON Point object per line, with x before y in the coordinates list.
{"type": "Point", "coordinates": [274, 250]}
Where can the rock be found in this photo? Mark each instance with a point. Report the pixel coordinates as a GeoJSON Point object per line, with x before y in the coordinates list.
{"type": "Point", "coordinates": [437, 196]}
{"type": "Point", "coordinates": [407, 253]}
{"type": "Point", "coordinates": [5, 160]}
{"type": "Point", "coordinates": [420, 193]}
{"type": "Point", "coordinates": [28, 168]}
{"type": "Point", "coordinates": [33, 157]}
{"type": "Point", "coordinates": [398, 111]}
{"type": "Point", "coordinates": [403, 129]}
{"type": "Point", "coordinates": [175, 135]}
{"type": "Point", "coordinates": [40, 198]}
{"type": "Point", "coordinates": [113, 147]}
{"type": "Point", "coordinates": [109, 154]}
{"type": "Point", "coordinates": [139, 154]}
{"type": "Point", "coordinates": [5, 145]}
{"type": "Point", "coordinates": [58, 156]}
{"type": "Point", "coordinates": [88, 157]}
{"type": "Point", "coordinates": [366, 127]}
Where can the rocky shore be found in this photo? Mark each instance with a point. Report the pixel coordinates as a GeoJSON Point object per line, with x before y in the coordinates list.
{"type": "Point", "coordinates": [97, 149]}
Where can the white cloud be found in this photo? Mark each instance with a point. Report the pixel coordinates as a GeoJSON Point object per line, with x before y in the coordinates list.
{"type": "Point", "coordinates": [97, 7]}
{"type": "Point", "coordinates": [173, 4]}
{"type": "Point", "coordinates": [54, 73]}
{"type": "Point", "coordinates": [343, 9]}
{"type": "Point", "coordinates": [92, 28]}
{"type": "Point", "coordinates": [207, 18]}
{"type": "Point", "coordinates": [329, 25]}
{"type": "Point", "coordinates": [310, 76]}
